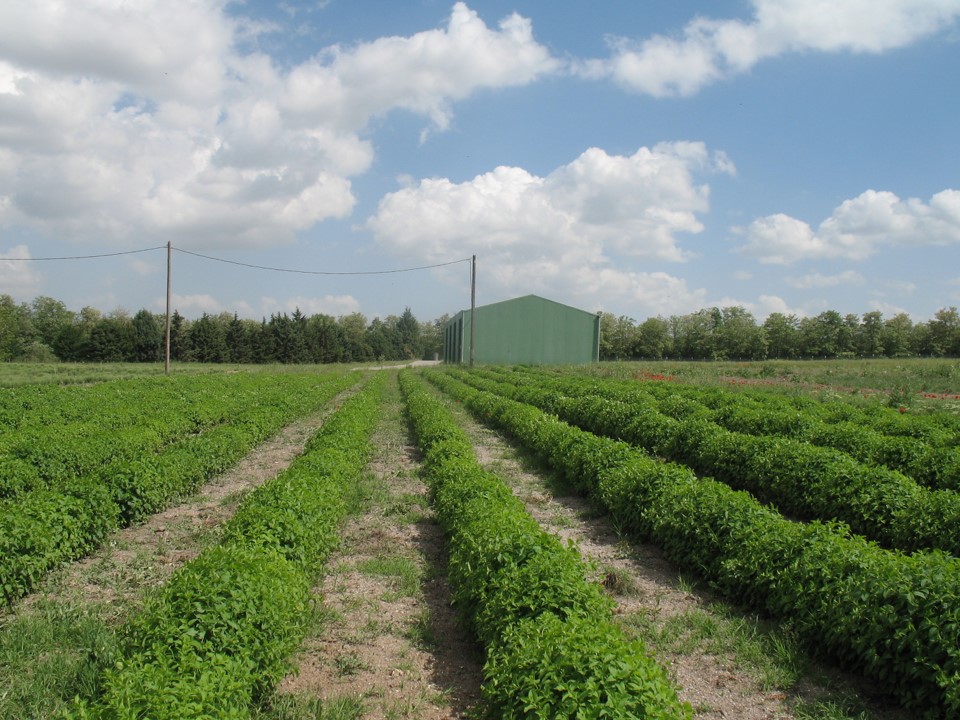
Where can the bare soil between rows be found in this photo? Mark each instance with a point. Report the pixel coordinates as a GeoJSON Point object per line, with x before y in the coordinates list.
{"type": "Point", "coordinates": [391, 637]}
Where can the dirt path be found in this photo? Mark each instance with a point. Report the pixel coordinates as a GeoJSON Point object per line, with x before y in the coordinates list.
{"type": "Point", "coordinates": [388, 641]}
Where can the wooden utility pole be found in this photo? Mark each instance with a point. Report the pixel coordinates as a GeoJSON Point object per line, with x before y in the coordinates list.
{"type": "Point", "coordinates": [166, 361]}
{"type": "Point", "coordinates": [473, 304]}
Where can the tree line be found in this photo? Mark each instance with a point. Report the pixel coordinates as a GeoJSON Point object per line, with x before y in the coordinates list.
{"type": "Point", "coordinates": [46, 330]}
{"type": "Point", "coordinates": [733, 333]}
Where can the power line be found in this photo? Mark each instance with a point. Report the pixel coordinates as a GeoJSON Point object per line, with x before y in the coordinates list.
{"type": "Point", "coordinates": [235, 262]}
{"type": "Point", "coordinates": [322, 272]}
{"type": "Point", "coordinates": [83, 257]}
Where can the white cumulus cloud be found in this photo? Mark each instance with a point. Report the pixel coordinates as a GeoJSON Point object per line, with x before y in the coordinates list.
{"type": "Point", "coordinates": [900, 287]}
{"type": "Point", "coordinates": [766, 305]}
{"type": "Point", "coordinates": [18, 277]}
{"type": "Point", "coordinates": [818, 280]}
{"type": "Point", "coordinates": [335, 305]}
{"type": "Point", "coordinates": [761, 308]}
{"type": "Point", "coordinates": [857, 228]}
{"type": "Point", "coordinates": [562, 234]}
{"type": "Point", "coordinates": [192, 306]}
{"type": "Point", "coordinates": [423, 73]}
{"type": "Point", "coordinates": [710, 49]}
{"type": "Point", "coordinates": [126, 125]}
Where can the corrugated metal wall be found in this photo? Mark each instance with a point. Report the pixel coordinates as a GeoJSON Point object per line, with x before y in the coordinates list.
{"type": "Point", "coordinates": [453, 339]}
{"type": "Point", "coordinates": [526, 330]}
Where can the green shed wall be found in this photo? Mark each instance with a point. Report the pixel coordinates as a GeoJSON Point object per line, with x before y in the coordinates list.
{"type": "Point", "coordinates": [526, 330]}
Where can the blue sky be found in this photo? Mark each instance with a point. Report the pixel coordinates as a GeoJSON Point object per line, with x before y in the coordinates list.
{"type": "Point", "coordinates": [637, 158]}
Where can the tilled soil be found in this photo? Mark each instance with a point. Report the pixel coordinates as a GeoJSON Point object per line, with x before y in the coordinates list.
{"type": "Point", "coordinates": [389, 635]}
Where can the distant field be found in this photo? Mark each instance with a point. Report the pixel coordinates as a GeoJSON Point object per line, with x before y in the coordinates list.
{"type": "Point", "coordinates": [911, 375]}
{"type": "Point", "coordinates": [16, 374]}
{"type": "Point", "coordinates": [901, 381]}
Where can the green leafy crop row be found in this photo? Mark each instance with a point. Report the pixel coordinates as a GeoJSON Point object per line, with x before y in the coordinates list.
{"type": "Point", "coordinates": [893, 617]}
{"type": "Point", "coordinates": [915, 445]}
{"type": "Point", "coordinates": [57, 438]}
{"type": "Point", "coordinates": [46, 526]}
{"type": "Point", "coordinates": [936, 429]}
{"type": "Point", "coordinates": [802, 480]}
{"type": "Point", "coordinates": [552, 650]}
{"type": "Point", "coordinates": [930, 465]}
{"type": "Point", "coordinates": [219, 634]}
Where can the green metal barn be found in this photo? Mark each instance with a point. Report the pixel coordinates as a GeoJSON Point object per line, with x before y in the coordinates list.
{"type": "Point", "coordinates": [528, 330]}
